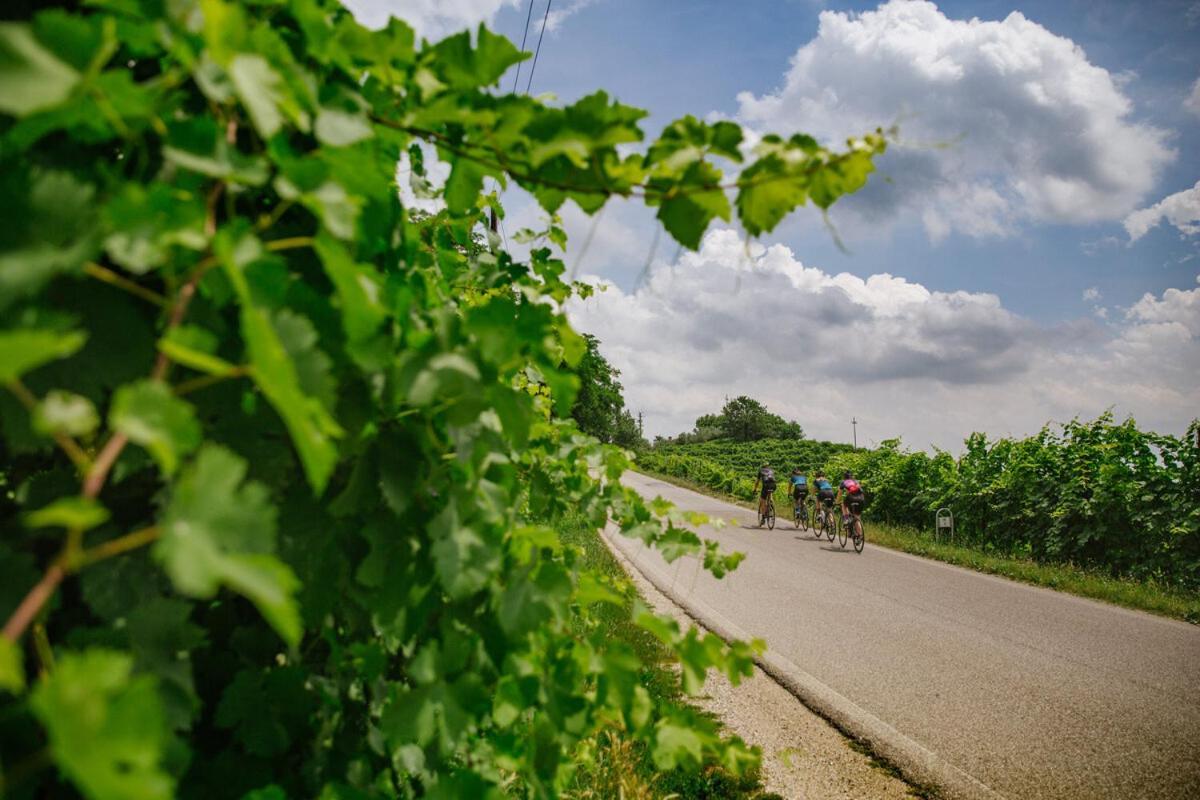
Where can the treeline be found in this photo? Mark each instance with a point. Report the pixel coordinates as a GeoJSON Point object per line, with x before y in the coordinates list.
{"type": "Point", "coordinates": [1098, 494]}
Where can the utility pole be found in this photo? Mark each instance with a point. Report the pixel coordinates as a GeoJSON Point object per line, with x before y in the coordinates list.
{"type": "Point", "coordinates": [641, 430]}
{"type": "Point", "coordinates": [854, 423]}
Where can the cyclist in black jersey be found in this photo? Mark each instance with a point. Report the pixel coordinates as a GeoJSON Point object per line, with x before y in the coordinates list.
{"type": "Point", "coordinates": [765, 478]}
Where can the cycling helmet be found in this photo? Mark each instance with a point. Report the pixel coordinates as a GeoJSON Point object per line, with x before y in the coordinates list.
{"type": "Point", "coordinates": [847, 474]}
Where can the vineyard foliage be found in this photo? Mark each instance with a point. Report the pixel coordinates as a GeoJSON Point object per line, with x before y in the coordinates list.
{"type": "Point", "coordinates": [1098, 494]}
{"type": "Point", "coordinates": [282, 460]}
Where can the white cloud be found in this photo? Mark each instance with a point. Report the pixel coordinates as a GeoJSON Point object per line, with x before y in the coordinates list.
{"type": "Point", "coordinates": [558, 16]}
{"type": "Point", "coordinates": [930, 366]}
{"type": "Point", "coordinates": [1091, 294]}
{"type": "Point", "coordinates": [431, 19]}
{"type": "Point", "coordinates": [1192, 103]}
{"type": "Point", "coordinates": [1181, 209]}
{"type": "Point", "coordinates": [1033, 130]}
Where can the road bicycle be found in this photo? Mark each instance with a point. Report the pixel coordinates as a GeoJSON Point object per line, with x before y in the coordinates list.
{"type": "Point", "coordinates": [853, 529]}
{"type": "Point", "coordinates": [769, 516]}
{"type": "Point", "coordinates": [800, 512]}
{"type": "Point", "coordinates": [826, 517]}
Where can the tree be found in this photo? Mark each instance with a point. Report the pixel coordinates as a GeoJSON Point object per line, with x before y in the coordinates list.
{"type": "Point", "coordinates": [599, 403]}
{"type": "Point", "coordinates": [745, 419]}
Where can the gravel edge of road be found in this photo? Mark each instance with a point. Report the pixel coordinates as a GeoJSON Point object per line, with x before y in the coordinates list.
{"type": "Point", "coordinates": [920, 767]}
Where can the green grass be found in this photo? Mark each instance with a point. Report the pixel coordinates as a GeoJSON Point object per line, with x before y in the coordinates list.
{"type": "Point", "coordinates": [1140, 595]}
{"type": "Point", "coordinates": [621, 766]}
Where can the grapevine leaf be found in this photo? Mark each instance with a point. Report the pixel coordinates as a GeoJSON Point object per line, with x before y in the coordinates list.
{"type": "Point", "coordinates": [359, 290]}
{"type": "Point", "coordinates": [218, 531]}
{"type": "Point", "coordinates": [309, 423]}
{"type": "Point", "coordinates": [66, 413]}
{"type": "Point", "coordinates": [257, 85]}
{"type": "Point", "coordinates": [767, 195]}
{"type": "Point", "coordinates": [25, 350]}
{"type": "Point", "coordinates": [72, 513]}
{"type": "Point", "coordinates": [338, 128]}
{"type": "Point", "coordinates": [675, 745]}
{"type": "Point", "coordinates": [12, 670]}
{"type": "Point", "coordinates": [31, 77]}
{"type": "Point", "coordinates": [106, 728]}
{"type": "Point", "coordinates": [461, 67]}
{"type": "Point", "coordinates": [151, 416]}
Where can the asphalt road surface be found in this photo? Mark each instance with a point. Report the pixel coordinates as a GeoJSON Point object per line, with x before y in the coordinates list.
{"type": "Point", "coordinates": [1032, 692]}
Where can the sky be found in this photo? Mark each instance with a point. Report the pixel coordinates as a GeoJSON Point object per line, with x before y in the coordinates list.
{"type": "Point", "coordinates": [1027, 252]}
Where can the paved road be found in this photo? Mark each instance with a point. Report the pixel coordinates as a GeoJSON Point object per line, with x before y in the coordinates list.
{"type": "Point", "coordinates": [1032, 692]}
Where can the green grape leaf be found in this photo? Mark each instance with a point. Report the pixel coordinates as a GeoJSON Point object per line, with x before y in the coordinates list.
{"type": "Point", "coordinates": [309, 423]}
{"type": "Point", "coordinates": [66, 413]}
{"type": "Point", "coordinates": [146, 222]}
{"type": "Point", "coordinates": [359, 288]}
{"type": "Point", "coordinates": [31, 77]}
{"type": "Point", "coordinates": [72, 513]}
{"type": "Point", "coordinates": [675, 746]}
{"type": "Point", "coordinates": [12, 668]}
{"type": "Point", "coordinates": [106, 728]}
{"type": "Point", "coordinates": [461, 67]}
{"type": "Point", "coordinates": [151, 416]}
{"type": "Point", "coordinates": [25, 350]}
{"type": "Point", "coordinates": [338, 128]}
{"type": "Point", "coordinates": [219, 531]}
{"type": "Point", "coordinates": [257, 86]}
{"type": "Point", "coordinates": [766, 195]}
{"type": "Point", "coordinates": [197, 144]}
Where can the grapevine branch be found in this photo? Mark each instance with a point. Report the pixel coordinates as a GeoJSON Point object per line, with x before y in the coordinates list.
{"type": "Point", "coordinates": [494, 158]}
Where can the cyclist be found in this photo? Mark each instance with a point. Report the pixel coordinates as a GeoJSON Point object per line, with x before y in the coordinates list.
{"type": "Point", "coordinates": [799, 483]}
{"type": "Point", "coordinates": [851, 494]}
{"type": "Point", "coordinates": [824, 490]}
{"type": "Point", "coordinates": [766, 477]}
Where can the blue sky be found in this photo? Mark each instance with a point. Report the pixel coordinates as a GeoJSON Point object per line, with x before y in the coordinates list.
{"type": "Point", "coordinates": [1028, 252]}
{"type": "Point", "coordinates": [676, 57]}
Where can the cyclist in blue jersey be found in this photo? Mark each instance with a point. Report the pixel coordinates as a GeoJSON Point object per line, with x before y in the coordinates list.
{"type": "Point", "coordinates": [799, 483]}
{"type": "Point", "coordinates": [824, 490]}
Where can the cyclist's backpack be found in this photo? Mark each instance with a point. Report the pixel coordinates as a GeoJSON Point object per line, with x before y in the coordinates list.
{"type": "Point", "coordinates": [852, 486]}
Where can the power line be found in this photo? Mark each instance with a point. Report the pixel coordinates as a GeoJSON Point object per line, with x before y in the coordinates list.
{"type": "Point", "coordinates": [524, 36]}
{"type": "Point", "coordinates": [537, 50]}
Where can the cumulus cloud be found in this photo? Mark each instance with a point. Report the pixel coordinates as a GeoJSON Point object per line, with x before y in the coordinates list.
{"type": "Point", "coordinates": [1091, 294]}
{"type": "Point", "coordinates": [431, 19]}
{"type": "Point", "coordinates": [930, 366]}
{"type": "Point", "coordinates": [1033, 130]}
{"type": "Point", "coordinates": [1181, 209]}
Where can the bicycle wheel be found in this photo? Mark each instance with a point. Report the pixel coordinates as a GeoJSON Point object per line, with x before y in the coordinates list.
{"type": "Point", "coordinates": [830, 530]}
{"type": "Point", "coordinates": [841, 531]}
{"type": "Point", "coordinates": [771, 514]}
{"type": "Point", "coordinates": [797, 515]}
{"type": "Point", "coordinates": [860, 535]}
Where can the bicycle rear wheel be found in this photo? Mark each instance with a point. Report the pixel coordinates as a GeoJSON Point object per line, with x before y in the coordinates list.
{"type": "Point", "coordinates": [771, 514]}
{"type": "Point", "coordinates": [860, 535]}
{"type": "Point", "coordinates": [830, 530]}
{"type": "Point", "coordinates": [841, 531]}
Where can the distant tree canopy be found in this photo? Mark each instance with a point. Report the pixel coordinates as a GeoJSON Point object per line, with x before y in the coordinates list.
{"type": "Point", "coordinates": [600, 407]}
{"type": "Point", "coordinates": [744, 419]}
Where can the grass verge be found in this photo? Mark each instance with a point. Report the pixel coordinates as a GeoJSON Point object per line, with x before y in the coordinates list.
{"type": "Point", "coordinates": [1139, 595]}
{"type": "Point", "coordinates": [620, 766]}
